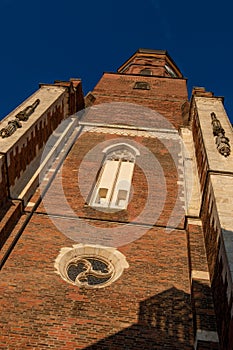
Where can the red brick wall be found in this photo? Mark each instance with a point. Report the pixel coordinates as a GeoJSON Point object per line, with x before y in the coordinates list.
{"type": "Point", "coordinates": [201, 157]}
{"type": "Point", "coordinates": [213, 242]}
{"type": "Point", "coordinates": [166, 95]}
{"type": "Point", "coordinates": [19, 159]}
{"type": "Point", "coordinates": [3, 182]}
{"type": "Point", "coordinates": [10, 214]}
{"type": "Point", "coordinates": [147, 306]}
{"type": "Point", "coordinates": [168, 189]}
{"type": "Point", "coordinates": [201, 293]}
{"type": "Point", "coordinates": [211, 229]}
{"type": "Point", "coordinates": [156, 65]}
{"type": "Point", "coordinates": [10, 211]}
{"type": "Point", "coordinates": [196, 248]}
{"type": "Point", "coordinates": [75, 94]}
{"type": "Point", "coordinates": [223, 305]}
{"type": "Point", "coordinates": [218, 265]}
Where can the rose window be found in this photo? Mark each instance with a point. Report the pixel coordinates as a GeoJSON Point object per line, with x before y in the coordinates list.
{"type": "Point", "coordinates": [89, 271]}
{"type": "Point", "coordinates": [90, 266]}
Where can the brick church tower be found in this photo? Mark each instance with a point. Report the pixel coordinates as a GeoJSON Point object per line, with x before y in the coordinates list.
{"type": "Point", "coordinates": [116, 214]}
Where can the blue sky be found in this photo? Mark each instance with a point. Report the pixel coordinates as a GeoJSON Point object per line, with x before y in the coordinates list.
{"type": "Point", "coordinates": [47, 40]}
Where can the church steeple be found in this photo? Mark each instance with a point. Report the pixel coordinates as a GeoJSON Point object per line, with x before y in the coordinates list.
{"type": "Point", "coordinates": [150, 62]}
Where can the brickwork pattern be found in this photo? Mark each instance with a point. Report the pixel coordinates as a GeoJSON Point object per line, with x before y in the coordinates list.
{"type": "Point", "coordinates": [201, 157]}
{"type": "Point", "coordinates": [166, 96]}
{"type": "Point", "coordinates": [217, 269]}
{"type": "Point", "coordinates": [196, 248]}
{"type": "Point", "coordinates": [150, 298]}
{"type": "Point", "coordinates": [201, 293]}
{"type": "Point", "coordinates": [223, 305]}
{"type": "Point", "coordinates": [78, 190]}
{"type": "Point", "coordinates": [19, 159]}
{"type": "Point", "coordinates": [75, 95]}
{"type": "Point", "coordinates": [213, 211]}
{"type": "Point", "coordinates": [3, 182]}
{"type": "Point", "coordinates": [211, 229]}
{"type": "Point", "coordinates": [149, 306]}
{"type": "Point", "coordinates": [9, 215]}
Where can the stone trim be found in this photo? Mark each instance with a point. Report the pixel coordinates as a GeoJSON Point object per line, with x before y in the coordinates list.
{"type": "Point", "coordinates": [132, 132]}
{"type": "Point", "coordinates": [128, 127]}
{"type": "Point", "coordinates": [207, 336]}
{"type": "Point", "coordinates": [50, 98]}
{"type": "Point", "coordinates": [110, 255]}
{"type": "Point", "coordinates": [202, 275]}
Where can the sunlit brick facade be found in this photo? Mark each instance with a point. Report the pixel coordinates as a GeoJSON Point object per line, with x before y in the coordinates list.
{"type": "Point", "coordinates": [127, 241]}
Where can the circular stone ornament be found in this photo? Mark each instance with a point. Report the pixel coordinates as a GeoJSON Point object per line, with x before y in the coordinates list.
{"type": "Point", "coordinates": [90, 266]}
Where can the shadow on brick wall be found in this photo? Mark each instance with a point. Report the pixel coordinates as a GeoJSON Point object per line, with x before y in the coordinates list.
{"type": "Point", "coordinates": [165, 322]}
{"type": "Point", "coordinates": [9, 216]}
{"type": "Point", "coordinates": [222, 294]}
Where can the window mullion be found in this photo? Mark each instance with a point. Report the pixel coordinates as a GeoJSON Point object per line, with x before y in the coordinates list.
{"type": "Point", "coordinates": [115, 182]}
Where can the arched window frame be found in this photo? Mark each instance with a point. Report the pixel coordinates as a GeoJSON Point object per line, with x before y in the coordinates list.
{"type": "Point", "coordinates": [112, 188]}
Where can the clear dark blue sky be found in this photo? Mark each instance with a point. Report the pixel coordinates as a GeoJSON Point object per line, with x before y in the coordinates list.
{"type": "Point", "coordinates": [47, 40]}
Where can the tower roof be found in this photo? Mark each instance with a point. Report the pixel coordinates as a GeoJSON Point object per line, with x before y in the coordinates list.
{"type": "Point", "coordinates": [150, 54]}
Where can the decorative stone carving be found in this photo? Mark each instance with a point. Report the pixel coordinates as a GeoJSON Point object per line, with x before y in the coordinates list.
{"type": "Point", "coordinates": [222, 142]}
{"type": "Point", "coordinates": [26, 112]}
{"type": "Point", "coordinates": [89, 271]}
{"type": "Point", "coordinates": [90, 266]}
{"type": "Point", "coordinates": [23, 115]}
{"type": "Point", "coordinates": [122, 154]}
{"type": "Point", "coordinates": [12, 126]}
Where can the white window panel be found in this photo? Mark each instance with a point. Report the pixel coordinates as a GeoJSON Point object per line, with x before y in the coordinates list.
{"type": "Point", "coordinates": [112, 188]}
{"type": "Point", "coordinates": [104, 188]}
{"type": "Point", "coordinates": [122, 187]}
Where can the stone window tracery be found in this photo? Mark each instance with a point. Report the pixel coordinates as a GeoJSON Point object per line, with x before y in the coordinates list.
{"type": "Point", "coordinates": [113, 184]}
{"type": "Point", "coordinates": [89, 271]}
{"type": "Point", "coordinates": [90, 266]}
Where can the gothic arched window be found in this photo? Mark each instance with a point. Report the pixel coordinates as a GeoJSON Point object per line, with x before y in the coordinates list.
{"type": "Point", "coordinates": [113, 184]}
